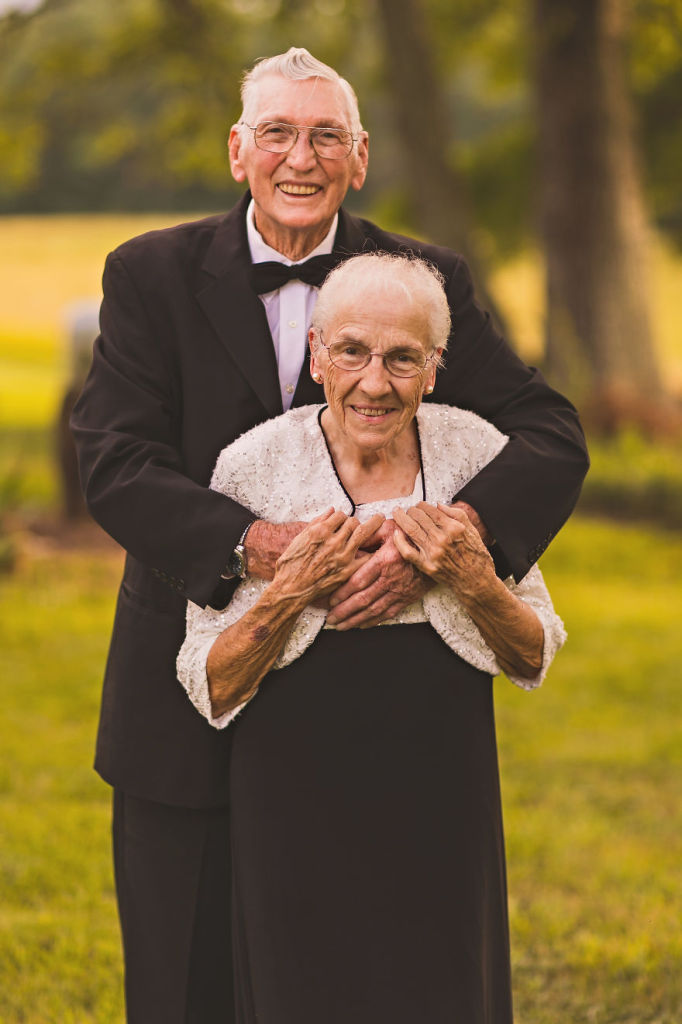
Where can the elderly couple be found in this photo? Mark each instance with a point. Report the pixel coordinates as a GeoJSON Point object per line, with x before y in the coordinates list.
{"type": "Point", "coordinates": [322, 843]}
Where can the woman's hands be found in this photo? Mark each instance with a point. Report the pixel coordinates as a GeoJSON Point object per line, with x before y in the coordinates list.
{"type": "Point", "coordinates": [442, 543]}
{"type": "Point", "coordinates": [323, 556]}
{"type": "Point", "coordinates": [315, 563]}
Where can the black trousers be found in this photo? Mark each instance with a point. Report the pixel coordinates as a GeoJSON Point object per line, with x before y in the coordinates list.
{"type": "Point", "coordinates": [172, 871]}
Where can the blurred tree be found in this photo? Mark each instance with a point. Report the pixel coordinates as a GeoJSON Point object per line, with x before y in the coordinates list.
{"type": "Point", "coordinates": [126, 105]}
{"type": "Point", "coordinates": [438, 197]}
{"type": "Point", "coordinates": [655, 57]}
{"type": "Point", "coordinates": [117, 106]}
{"type": "Point", "coordinates": [599, 343]}
{"type": "Point", "coordinates": [482, 49]}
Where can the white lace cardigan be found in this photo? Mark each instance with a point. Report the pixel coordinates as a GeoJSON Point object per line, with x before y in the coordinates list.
{"type": "Point", "coordinates": [282, 470]}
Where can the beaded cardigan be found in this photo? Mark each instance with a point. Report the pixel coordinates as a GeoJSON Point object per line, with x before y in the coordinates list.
{"type": "Point", "coordinates": [283, 471]}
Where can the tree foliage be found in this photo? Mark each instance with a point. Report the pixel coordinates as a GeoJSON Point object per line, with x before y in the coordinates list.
{"type": "Point", "coordinates": [127, 105]}
{"type": "Point", "coordinates": [656, 66]}
{"type": "Point", "coordinates": [594, 225]}
{"type": "Point", "coordinates": [124, 99]}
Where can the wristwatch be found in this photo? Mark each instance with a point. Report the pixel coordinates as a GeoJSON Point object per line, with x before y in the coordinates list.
{"type": "Point", "coordinates": [236, 563]}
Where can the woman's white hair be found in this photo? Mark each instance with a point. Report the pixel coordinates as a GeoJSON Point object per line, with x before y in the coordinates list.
{"type": "Point", "coordinates": [355, 280]}
{"type": "Point", "coordinates": [296, 64]}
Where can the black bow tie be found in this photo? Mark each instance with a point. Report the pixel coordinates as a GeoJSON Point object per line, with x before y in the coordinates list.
{"type": "Point", "coordinates": [266, 277]}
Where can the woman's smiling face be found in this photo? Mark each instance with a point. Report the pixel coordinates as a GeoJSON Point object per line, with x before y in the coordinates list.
{"type": "Point", "coordinates": [372, 407]}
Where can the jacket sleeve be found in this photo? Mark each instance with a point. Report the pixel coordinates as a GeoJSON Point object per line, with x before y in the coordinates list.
{"type": "Point", "coordinates": [528, 491]}
{"type": "Point", "coordinates": [127, 429]}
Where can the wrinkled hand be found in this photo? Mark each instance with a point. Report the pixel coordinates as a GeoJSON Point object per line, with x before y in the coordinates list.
{"type": "Point", "coordinates": [380, 588]}
{"type": "Point", "coordinates": [323, 556]}
{"type": "Point", "coordinates": [475, 519]}
{"type": "Point", "coordinates": [265, 543]}
{"type": "Point", "coordinates": [442, 543]}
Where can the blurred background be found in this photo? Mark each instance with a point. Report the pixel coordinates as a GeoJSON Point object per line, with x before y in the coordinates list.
{"type": "Point", "coordinates": [541, 138]}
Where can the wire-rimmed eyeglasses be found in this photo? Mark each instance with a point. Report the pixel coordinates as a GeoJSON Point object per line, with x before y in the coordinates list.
{"type": "Point", "coordinates": [329, 143]}
{"type": "Point", "coordinates": [399, 362]}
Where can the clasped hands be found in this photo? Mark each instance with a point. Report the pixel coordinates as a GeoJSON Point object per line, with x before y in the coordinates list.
{"type": "Point", "coordinates": [367, 573]}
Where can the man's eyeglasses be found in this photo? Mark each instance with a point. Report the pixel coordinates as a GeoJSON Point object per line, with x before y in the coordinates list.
{"type": "Point", "coordinates": [328, 143]}
{"type": "Point", "coordinates": [399, 362]}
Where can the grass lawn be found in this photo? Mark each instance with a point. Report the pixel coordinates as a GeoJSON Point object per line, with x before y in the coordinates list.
{"type": "Point", "coordinates": [591, 769]}
{"type": "Point", "coordinates": [590, 773]}
{"type": "Point", "coordinates": [59, 947]}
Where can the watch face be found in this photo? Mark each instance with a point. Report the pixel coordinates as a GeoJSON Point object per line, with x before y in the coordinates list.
{"type": "Point", "coordinates": [237, 562]}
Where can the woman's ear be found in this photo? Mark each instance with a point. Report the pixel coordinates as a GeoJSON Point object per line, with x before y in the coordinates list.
{"type": "Point", "coordinates": [430, 378]}
{"type": "Point", "coordinates": [314, 366]}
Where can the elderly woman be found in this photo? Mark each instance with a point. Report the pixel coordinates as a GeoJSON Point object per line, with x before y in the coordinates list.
{"type": "Point", "coordinates": [368, 859]}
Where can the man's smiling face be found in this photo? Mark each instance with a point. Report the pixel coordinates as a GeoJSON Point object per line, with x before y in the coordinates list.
{"type": "Point", "coordinates": [297, 194]}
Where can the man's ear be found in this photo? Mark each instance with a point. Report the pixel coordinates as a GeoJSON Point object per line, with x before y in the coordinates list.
{"type": "Point", "coordinates": [361, 160]}
{"type": "Point", "coordinates": [234, 145]}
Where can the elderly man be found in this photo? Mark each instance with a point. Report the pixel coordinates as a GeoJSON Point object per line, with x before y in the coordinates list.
{"type": "Point", "coordinates": [203, 335]}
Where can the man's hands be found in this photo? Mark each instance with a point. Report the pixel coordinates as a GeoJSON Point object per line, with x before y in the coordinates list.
{"type": "Point", "coordinates": [264, 544]}
{"type": "Point", "coordinates": [475, 520]}
{"type": "Point", "coordinates": [379, 589]}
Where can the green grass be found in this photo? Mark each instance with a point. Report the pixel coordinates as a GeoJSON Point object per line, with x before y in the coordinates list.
{"type": "Point", "coordinates": [32, 379]}
{"type": "Point", "coordinates": [591, 768]}
{"type": "Point", "coordinates": [632, 478]}
{"type": "Point", "coordinates": [59, 946]}
{"type": "Point", "coordinates": [590, 764]}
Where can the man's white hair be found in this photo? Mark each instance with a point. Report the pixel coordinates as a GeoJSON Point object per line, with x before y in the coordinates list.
{"type": "Point", "coordinates": [355, 280]}
{"type": "Point", "coordinates": [296, 64]}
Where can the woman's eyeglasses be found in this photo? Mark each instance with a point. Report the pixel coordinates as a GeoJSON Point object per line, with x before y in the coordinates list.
{"type": "Point", "coordinates": [399, 362]}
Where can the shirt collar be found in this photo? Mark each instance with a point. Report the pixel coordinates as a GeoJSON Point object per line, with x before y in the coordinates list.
{"type": "Point", "coordinates": [262, 252]}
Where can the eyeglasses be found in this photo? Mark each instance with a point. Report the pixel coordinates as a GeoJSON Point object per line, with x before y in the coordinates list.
{"type": "Point", "coordinates": [399, 362]}
{"type": "Point", "coordinates": [329, 143]}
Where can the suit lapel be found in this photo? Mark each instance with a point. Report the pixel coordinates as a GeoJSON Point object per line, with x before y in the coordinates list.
{"type": "Point", "coordinates": [237, 314]}
{"type": "Point", "coordinates": [350, 236]}
{"type": "Point", "coordinates": [234, 310]}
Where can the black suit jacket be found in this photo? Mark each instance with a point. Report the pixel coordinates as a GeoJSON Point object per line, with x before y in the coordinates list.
{"type": "Point", "coordinates": [185, 364]}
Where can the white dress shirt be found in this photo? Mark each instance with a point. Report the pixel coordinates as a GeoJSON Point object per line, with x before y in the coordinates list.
{"type": "Point", "coordinates": [289, 309]}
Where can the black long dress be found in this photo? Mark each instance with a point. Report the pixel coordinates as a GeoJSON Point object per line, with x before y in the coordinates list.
{"type": "Point", "coordinates": [368, 855]}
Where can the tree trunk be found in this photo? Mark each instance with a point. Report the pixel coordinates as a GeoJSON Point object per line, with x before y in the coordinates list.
{"type": "Point", "coordinates": [599, 341]}
{"type": "Point", "coordinates": [437, 194]}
